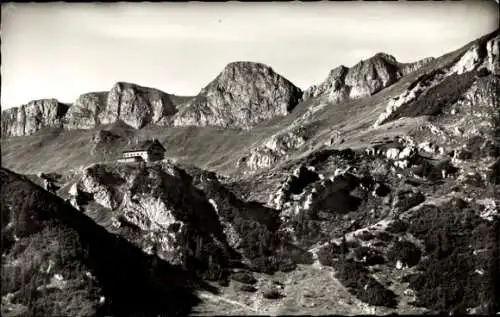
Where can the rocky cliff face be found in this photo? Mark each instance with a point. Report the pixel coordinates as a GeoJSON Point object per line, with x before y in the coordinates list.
{"type": "Point", "coordinates": [407, 68]}
{"type": "Point", "coordinates": [242, 95]}
{"type": "Point", "coordinates": [84, 113]}
{"type": "Point", "coordinates": [136, 105]}
{"type": "Point", "coordinates": [445, 85]}
{"type": "Point", "coordinates": [161, 202]}
{"type": "Point", "coordinates": [35, 115]}
{"type": "Point", "coordinates": [363, 79]}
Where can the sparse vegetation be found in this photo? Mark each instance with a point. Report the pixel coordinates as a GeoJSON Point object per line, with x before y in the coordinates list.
{"type": "Point", "coordinates": [384, 236]}
{"type": "Point", "coordinates": [359, 282]}
{"type": "Point", "coordinates": [57, 261]}
{"type": "Point", "coordinates": [436, 98]}
{"type": "Point", "coordinates": [329, 254]}
{"type": "Point", "coordinates": [368, 256]}
{"type": "Point", "coordinates": [395, 226]}
{"type": "Point", "coordinates": [406, 252]}
{"type": "Point", "coordinates": [247, 288]}
{"type": "Point", "coordinates": [449, 280]}
{"type": "Point", "coordinates": [74, 245]}
{"type": "Point", "coordinates": [366, 235]}
{"type": "Point", "coordinates": [268, 250]}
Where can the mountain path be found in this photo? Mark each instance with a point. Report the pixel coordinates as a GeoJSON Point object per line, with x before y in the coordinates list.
{"type": "Point", "coordinates": [217, 298]}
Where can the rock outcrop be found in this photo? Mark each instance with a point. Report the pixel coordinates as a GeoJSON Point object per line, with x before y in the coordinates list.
{"type": "Point", "coordinates": [449, 82]}
{"type": "Point", "coordinates": [363, 79]}
{"type": "Point", "coordinates": [159, 200]}
{"type": "Point", "coordinates": [136, 105]}
{"type": "Point", "coordinates": [407, 68]}
{"type": "Point", "coordinates": [32, 117]}
{"type": "Point", "coordinates": [132, 104]}
{"type": "Point", "coordinates": [274, 149]}
{"type": "Point", "coordinates": [83, 114]}
{"type": "Point", "coordinates": [242, 95]}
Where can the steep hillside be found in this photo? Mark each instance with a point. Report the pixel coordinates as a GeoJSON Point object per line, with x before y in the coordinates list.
{"type": "Point", "coordinates": [185, 218]}
{"type": "Point", "coordinates": [57, 261]}
{"type": "Point", "coordinates": [242, 95]}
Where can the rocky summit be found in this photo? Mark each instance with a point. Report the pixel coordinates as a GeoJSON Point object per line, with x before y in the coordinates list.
{"type": "Point", "coordinates": [375, 192]}
{"type": "Point", "coordinates": [242, 95]}
{"type": "Point", "coordinates": [363, 79]}
{"type": "Point", "coordinates": [136, 105]}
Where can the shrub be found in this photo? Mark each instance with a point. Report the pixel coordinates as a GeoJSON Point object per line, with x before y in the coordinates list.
{"type": "Point", "coordinates": [405, 199]}
{"type": "Point", "coordinates": [366, 235]}
{"type": "Point", "coordinates": [272, 294]}
{"type": "Point", "coordinates": [329, 254]}
{"type": "Point", "coordinates": [244, 277]}
{"type": "Point", "coordinates": [307, 231]}
{"type": "Point", "coordinates": [247, 288]}
{"type": "Point", "coordinates": [356, 278]}
{"type": "Point", "coordinates": [368, 256]}
{"type": "Point", "coordinates": [384, 236]}
{"type": "Point", "coordinates": [256, 225]}
{"type": "Point", "coordinates": [449, 281]}
{"type": "Point", "coordinates": [397, 226]}
{"type": "Point", "coordinates": [406, 252]}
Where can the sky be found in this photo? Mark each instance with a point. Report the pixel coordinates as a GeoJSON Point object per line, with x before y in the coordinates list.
{"type": "Point", "coordinates": [61, 50]}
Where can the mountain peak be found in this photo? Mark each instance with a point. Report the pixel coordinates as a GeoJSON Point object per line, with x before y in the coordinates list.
{"type": "Point", "coordinates": [246, 64]}
{"type": "Point", "coordinates": [242, 95]}
{"type": "Point", "coordinates": [385, 56]}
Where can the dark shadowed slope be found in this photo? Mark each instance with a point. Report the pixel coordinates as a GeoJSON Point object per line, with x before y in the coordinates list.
{"type": "Point", "coordinates": [57, 261]}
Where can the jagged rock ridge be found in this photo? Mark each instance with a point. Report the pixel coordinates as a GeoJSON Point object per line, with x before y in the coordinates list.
{"type": "Point", "coordinates": [363, 79]}
{"type": "Point", "coordinates": [132, 104]}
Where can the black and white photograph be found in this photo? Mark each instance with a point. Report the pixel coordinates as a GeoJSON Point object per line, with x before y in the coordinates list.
{"type": "Point", "coordinates": [233, 158]}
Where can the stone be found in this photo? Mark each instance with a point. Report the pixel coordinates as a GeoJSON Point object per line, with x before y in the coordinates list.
{"type": "Point", "coordinates": [392, 153]}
